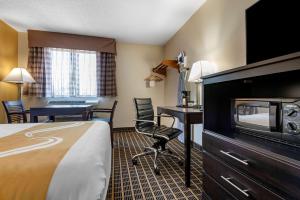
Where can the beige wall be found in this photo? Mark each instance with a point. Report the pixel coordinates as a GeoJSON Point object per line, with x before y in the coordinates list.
{"type": "Point", "coordinates": [134, 63]}
{"type": "Point", "coordinates": [22, 49]}
{"type": "Point", "coordinates": [8, 60]}
{"type": "Point", "coordinates": [216, 32]}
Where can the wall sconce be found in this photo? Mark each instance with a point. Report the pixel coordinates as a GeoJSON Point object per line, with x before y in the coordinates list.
{"type": "Point", "coordinates": [152, 83]}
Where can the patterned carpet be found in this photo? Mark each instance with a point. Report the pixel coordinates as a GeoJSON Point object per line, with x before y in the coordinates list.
{"type": "Point", "coordinates": [140, 182]}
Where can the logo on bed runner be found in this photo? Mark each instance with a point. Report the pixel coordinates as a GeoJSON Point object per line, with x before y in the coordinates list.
{"type": "Point", "coordinates": [47, 142]}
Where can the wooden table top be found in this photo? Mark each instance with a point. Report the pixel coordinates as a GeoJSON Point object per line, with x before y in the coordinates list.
{"type": "Point", "coordinates": [61, 106]}
{"type": "Point", "coordinates": [181, 109]}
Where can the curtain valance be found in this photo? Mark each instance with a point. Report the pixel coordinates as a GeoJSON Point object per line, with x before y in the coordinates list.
{"type": "Point", "coordinates": [71, 41]}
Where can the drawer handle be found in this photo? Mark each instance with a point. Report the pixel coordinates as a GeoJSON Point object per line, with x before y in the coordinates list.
{"type": "Point", "coordinates": [227, 180]}
{"type": "Point", "coordinates": [244, 162]}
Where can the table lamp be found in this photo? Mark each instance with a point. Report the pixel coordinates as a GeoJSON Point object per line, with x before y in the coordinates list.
{"type": "Point", "coordinates": [199, 69]}
{"type": "Point", "coordinates": [19, 76]}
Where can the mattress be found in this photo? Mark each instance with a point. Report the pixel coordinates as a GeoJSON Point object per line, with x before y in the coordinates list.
{"type": "Point", "coordinates": [84, 170]}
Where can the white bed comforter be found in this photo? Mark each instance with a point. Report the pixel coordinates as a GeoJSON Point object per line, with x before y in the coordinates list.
{"type": "Point", "coordinates": [84, 172]}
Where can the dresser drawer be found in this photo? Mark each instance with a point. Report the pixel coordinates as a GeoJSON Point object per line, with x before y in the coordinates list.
{"type": "Point", "coordinates": [273, 171]}
{"type": "Point", "coordinates": [213, 190]}
{"type": "Point", "coordinates": [237, 184]}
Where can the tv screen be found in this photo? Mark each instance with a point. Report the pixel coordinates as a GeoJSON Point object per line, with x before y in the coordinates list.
{"type": "Point", "coordinates": [272, 29]}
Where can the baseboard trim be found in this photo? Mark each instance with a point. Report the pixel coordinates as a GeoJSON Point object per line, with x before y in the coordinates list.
{"type": "Point", "coordinates": [197, 146]}
{"type": "Point", "coordinates": [123, 129]}
{"type": "Point", "coordinates": [193, 145]}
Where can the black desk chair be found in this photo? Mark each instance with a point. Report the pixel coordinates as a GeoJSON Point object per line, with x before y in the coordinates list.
{"type": "Point", "coordinates": [146, 125]}
{"type": "Point", "coordinates": [15, 111]}
{"type": "Point", "coordinates": [109, 120]}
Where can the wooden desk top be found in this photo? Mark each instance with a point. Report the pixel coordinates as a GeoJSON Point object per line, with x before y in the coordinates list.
{"type": "Point", "coordinates": [180, 109]}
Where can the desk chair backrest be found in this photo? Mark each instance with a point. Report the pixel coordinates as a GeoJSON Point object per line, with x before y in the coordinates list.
{"type": "Point", "coordinates": [15, 111]}
{"type": "Point", "coordinates": [144, 111]}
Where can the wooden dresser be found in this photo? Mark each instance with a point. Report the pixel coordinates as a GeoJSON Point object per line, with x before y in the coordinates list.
{"type": "Point", "coordinates": [241, 166]}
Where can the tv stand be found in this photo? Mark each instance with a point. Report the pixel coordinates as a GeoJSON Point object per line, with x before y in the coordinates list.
{"type": "Point", "coordinates": [246, 167]}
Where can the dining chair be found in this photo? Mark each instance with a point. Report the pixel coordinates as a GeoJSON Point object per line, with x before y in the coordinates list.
{"type": "Point", "coordinates": [15, 111]}
{"type": "Point", "coordinates": [109, 119]}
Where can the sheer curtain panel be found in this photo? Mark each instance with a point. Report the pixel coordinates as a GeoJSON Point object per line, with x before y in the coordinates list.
{"type": "Point", "coordinates": [73, 73]}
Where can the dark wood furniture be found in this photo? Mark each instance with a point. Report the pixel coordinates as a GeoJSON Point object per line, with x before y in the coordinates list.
{"type": "Point", "coordinates": [54, 110]}
{"type": "Point", "coordinates": [239, 166]}
{"type": "Point", "coordinates": [109, 120]}
{"type": "Point", "coordinates": [15, 111]}
{"type": "Point", "coordinates": [187, 116]}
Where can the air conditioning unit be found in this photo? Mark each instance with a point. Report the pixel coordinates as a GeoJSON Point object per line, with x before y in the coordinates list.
{"type": "Point", "coordinates": [73, 102]}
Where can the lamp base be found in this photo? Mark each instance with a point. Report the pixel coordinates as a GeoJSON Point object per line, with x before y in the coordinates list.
{"type": "Point", "coordinates": [200, 107]}
{"type": "Point", "coordinates": [20, 90]}
{"type": "Point", "coordinates": [197, 93]}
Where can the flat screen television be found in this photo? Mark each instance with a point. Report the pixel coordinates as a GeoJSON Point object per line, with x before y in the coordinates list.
{"type": "Point", "coordinates": [272, 29]}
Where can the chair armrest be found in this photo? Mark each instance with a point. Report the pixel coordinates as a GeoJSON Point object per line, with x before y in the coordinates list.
{"type": "Point", "coordinates": [167, 116]}
{"type": "Point", "coordinates": [101, 108]}
{"type": "Point", "coordinates": [141, 120]}
{"type": "Point", "coordinates": [150, 121]}
{"type": "Point", "coordinates": [102, 111]}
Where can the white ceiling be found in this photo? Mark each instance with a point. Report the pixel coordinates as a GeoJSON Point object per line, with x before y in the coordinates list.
{"type": "Point", "coordinates": [136, 21]}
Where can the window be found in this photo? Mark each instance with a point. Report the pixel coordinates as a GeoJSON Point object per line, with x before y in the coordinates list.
{"type": "Point", "coordinates": [73, 73]}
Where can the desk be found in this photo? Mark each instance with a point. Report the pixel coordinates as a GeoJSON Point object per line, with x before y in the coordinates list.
{"type": "Point", "coordinates": [52, 110]}
{"type": "Point", "coordinates": [187, 116]}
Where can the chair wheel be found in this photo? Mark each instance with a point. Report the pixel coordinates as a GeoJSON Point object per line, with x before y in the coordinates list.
{"type": "Point", "coordinates": [157, 171]}
{"type": "Point", "coordinates": [134, 162]}
{"type": "Point", "coordinates": [180, 163]}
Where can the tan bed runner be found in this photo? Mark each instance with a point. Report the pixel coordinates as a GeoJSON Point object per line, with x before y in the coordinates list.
{"type": "Point", "coordinates": [29, 158]}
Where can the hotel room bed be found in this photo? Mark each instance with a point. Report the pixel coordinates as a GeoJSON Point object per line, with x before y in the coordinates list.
{"type": "Point", "coordinates": [70, 160]}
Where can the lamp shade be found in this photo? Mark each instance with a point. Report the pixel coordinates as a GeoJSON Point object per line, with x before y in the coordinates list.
{"type": "Point", "coordinates": [199, 69]}
{"type": "Point", "coordinates": [19, 75]}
